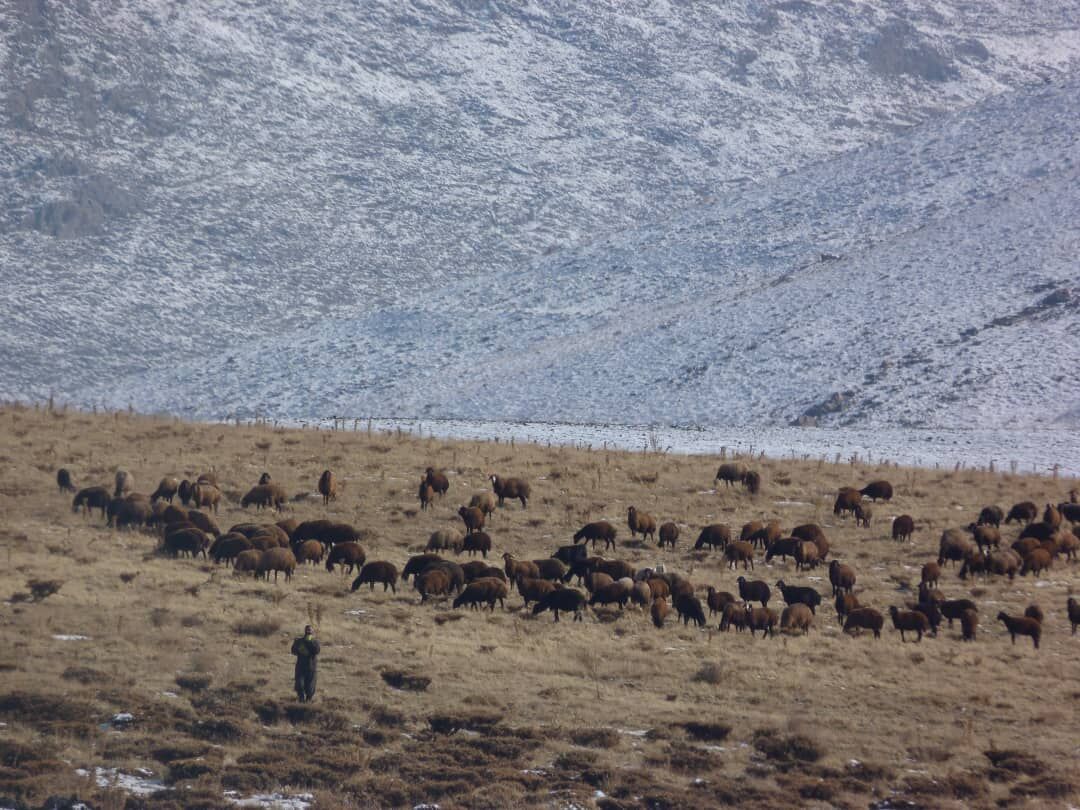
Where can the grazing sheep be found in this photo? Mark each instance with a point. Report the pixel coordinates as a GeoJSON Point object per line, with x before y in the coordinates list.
{"type": "Point", "coordinates": [974, 563]}
{"type": "Point", "coordinates": [762, 618]}
{"type": "Point", "coordinates": [909, 622]}
{"type": "Point", "coordinates": [227, 547]}
{"type": "Point", "coordinates": [714, 535]}
{"type": "Point", "coordinates": [800, 595]}
{"type": "Point", "coordinates": [1021, 626]}
{"type": "Point", "coordinates": [1034, 612]}
{"type": "Point", "coordinates": [265, 478]}
{"type": "Point", "coordinates": [752, 482]}
{"type": "Point", "coordinates": [131, 513]}
{"type": "Point", "coordinates": [743, 552]}
{"type": "Point", "coordinates": [433, 582]}
{"type": "Point", "coordinates": [276, 559]}
{"type": "Point", "coordinates": [797, 616]}
{"type": "Point", "coordinates": [931, 573]}
{"type": "Point", "coordinates": [598, 530]}
{"type": "Point", "coordinates": [659, 611]}
{"type": "Point", "coordinates": [1036, 562]}
{"type": "Point", "coordinates": [418, 564]}
{"type": "Point", "coordinates": [264, 542]}
{"type": "Point", "coordinates": [378, 571]}
{"type": "Point", "coordinates": [954, 608]}
{"type": "Point", "coordinates": [207, 524]}
{"type": "Point", "coordinates": [511, 488]}
{"type": "Point", "coordinates": [863, 515]}
{"type": "Point", "coordinates": [930, 611]}
{"type": "Point", "coordinates": [842, 577]}
{"type": "Point", "coordinates": [565, 600]}
{"type": "Point", "coordinates": [731, 474]}
{"type": "Point", "coordinates": [1070, 511]}
{"type": "Point", "coordinates": [864, 619]}
{"type": "Point", "coordinates": [669, 533]}
{"type": "Point", "coordinates": [477, 543]}
{"type": "Point", "coordinates": [474, 569]}
{"type": "Point", "coordinates": [472, 517]}
{"type": "Point", "coordinates": [616, 569]}
{"type": "Point", "coordinates": [91, 498]}
{"type": "Point", "coordinates": [486, 590]}
{"type": "Point", "coordinates": [640, 594]}
{"type": "Point", "coordinates": [552, 569]}
{"type": "Point", "coordinates": [877, 489]}
{"type": "Point", "coordinates": [783, 547]}
{"type": "Point", "coordinates": [806, 556]}
{"type": "Point", "coordinates": [533, 590]}
{"type": "Point", "coordinates": [186, 541]}
{"type": "Point", "coordinates": [326, 532]}
{"type": "Point", "coordinates": [247, 561]}
{"type": "Point", "coordinates": [204, 494]}
{"type": "Point", "coordinates": [846, 501]}
{"type": "Point", "coordinates": [640, 522]}
{"type": "Point", "coordinates": [311, 551]}
{"type": "Point", "coordinates": [658, 587]}
{"type": "Point", "coordinates": [1004, 563]}
{"type": "Point", "coordinates": [63, 480]}
{"type": "Point", "coordinates": [761, 535]}
{"type": "Point", "coordinates": [612, 593]}
{"type": "Point", "coordinates": [439, 482]}
{"type": "Point", "coordinates": [1023, 512]}
{"type": "Point", "coordinates": [172, 514]}
{"type": "Point", "coordinates": [519, 568]}
{"type": "Point", "coordinates": [954, 546]}
{"type": "Point", "coordinates": [1025, 546]}
{"type": "Point", "coordinates": [679, 585]}
{"type": "Point", "coordinates": [1052, 516]}
{"type": "Point", "coordinates": [990, 516]}
{"type": "Point", "coordinates": [812, 532]}
{"type": "Point", "coordinates": [454, 572]}
{"type": "Point", "coordinates": [985, 536]}
{"type": "Point", "coordinates": [166, 489]}
{"type": "Point", "coordinates": [689, 609]}
{"type": "Point", "coordinates": [756, 591]}
{"type": "Point", "coordinates": [184, 491]}
{"type": "Point", "coordinates": [903, 527]}
{"type": "Point", "coordinates": [750, 529]}
{"type": "Point", "coordinates": [969, 622]}
{"type": "Point", "coordinates": [571, 555]}
{"type": "Point", "coordinates": [125, 483]}
{"type": "Point", "coordinates": [844, 604]}
{"type": "Point", "coordinates": [264, 495]}
{"type": "Point", "coordinates": [485, 502]}
{"type": "Point", "coordinates": [734, 615]}
{"type": "Point", "coordinates": [1068, 544]}
{"type": "Point", "coordinates": [426, 495]}
{"type": "Point", "coordinates": [1072, 607]}
{"type": "Point", "coordinates": [327, 487]}
{"type": "Point", "coordinates": [207, 479]}
{"type": "Point", "coordinates": [445, 540]}
{"type": "Point", "coordinates": [718, 600]}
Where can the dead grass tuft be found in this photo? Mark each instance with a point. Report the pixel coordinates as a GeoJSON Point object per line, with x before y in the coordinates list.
{"type": "Point", "coordinates": [595, 737]}
{"type": "Point", "coordinates": [786, 750]}
{"type": "Point", "coordinates": [711, 673]}
{"type": "Point", "coordinates": [397, 679]}
{"type": "Point", "coordinates": [260, 628]}
{"type": "Point", "coordinates": [707, 732]}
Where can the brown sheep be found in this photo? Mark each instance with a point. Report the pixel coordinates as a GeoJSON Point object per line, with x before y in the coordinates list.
{"type": "Point", "coordinates": [797, 617]}
{"type": "Point", "coordinates": [845, 603]}
{"type": "Point", "coordinates": [658, 587]}
{"type": "Point", "coordinates": [1072, 607]}
{"type": "Point", "coordinates": [954, 546]}
{"type": "Point", "coordinates": [1036, 561]}
{"type": "Point", "coordinates": [1023, 512]}
{"type": "Point", "coordinates": [485, 590]}
{"type": "Point", "coordinates": [669, 533]}
{"type": "Point", "coordinates": [764, 535]}
{"type": "Point", "coordinates": [63, 480]}
{"type": "Point", "coordinates": [484, 501]}
{"type": "Point", "coordinates": [206, 495]}
{"type": "Point", "coordinates": [761, 618]}
{"type": "Point", "coordinates": [311, 551]}
{"type": "Point", "coordinates": [731, 474]}
{"type": "Point", "coordinates": [985, 537]}
{"type": "Point", "coordinates": [903, 527]}
{"type": "Point", "coordinates": [806, 556]}
{"type": "Point", "coordinates": [426, 494]}
{"type": "Point", "coordinates": [660, 611]}
{"type": "Point", "coordinates": [511, 488]}
{"type": "Point", "coordinates": [909, 622]}
{"type": "Point", "coordinates": [752, 482]}
{"type": "Point", "coordinates": [813, 533]}
{"type": "Point", "coordinates": [376, 572]}
{"type": "Point", "coordinates": [477, 543]}
{"type": "Point", "coordinates": [750, 529]}
{"type": "Point", "coordinates": [264, 542]}
{"type": "Point", "coordinates": [846, 501]}
{"type": "Point", "coordinates": [264, 495]}
{"type": "Point", "coordinates": [612, 593]}
{"type": "Point", "coordinates": [227, 547]}
{"type": "Point", "coordinates": [131, 513]}
{"type": "Point", "coordinates": [472, 517]}
{"type": "Point", "coordinates": [734, 615]}
{"type": "Point", "coordinates": [276, 559]}
{"type": "Point", "coordinates": [969, 621]}
{"type": "Point", "coordinates": [327, 487]}
{"type": "Point", "coordinates": [166, 489]}
{"type": "Point", "coordinates": [438, 480]}
{"type": "Point", "coordinates": [842, 577]}
{"type": "Point", "coordinates": [533, 589]}
{"type": "Point", "coordinates": [125, 483]}
{"type": "Point", "coordinates": [954, 608]}
{"type": "Point", "coordinates": [689, 609]}
{"type": "Point", "coordinates": [640, 522]}
{"type": "Point", "coordinates": [714, 535]}
{"type": "Point", "coordinates": [1052, 516]}
{"type": "Point", "coordinates": [718, 600]}
{"type": "Point", "coordinates": [616, 569]}
{"type": "Point", "coordinates": [1034, 612]}
{"type": "Point", "coordinates": [783, 547]}
{"type": "Point", "coordinates": [1068, 544]}
{"type": "Point", "coordinates": [186, 541]}
{"type": "Point", "coordinates": [1004, 563]}
{"type": "Point", "coordinates": [641, 594]}
{"type": "Point", "coordinates": [91, 498]}
{"type": "Point", "coordinates": [552, 569]}
{"type": "Point", "coordinates": [207, 524]}
{"type": "Point", "coordinates": [265, 478]}
{"type": "Point", "coordinates": [432, 582]}
{"type": "Point", "coordinates": [207, 479]}
{"type": "Point", "coordinates": [519, 568]}
{"type": "Point", "coordinates": [1021, 626]}
{"type": "Point", "coordinates": [445, 540]}
{"type": "Point", "coordinates": [598, 530]}
{"type": "Point", "coordinates": [184, 491]}
{"type": "Point", "coordinates": [877, 489]}
{"type": "Point", "coordinates": [743, 552]}
{"type": "Point", "coordinates": [349, 555]}
{"type": "Point", "coordinates": [990, 516]}
{"type": "Point", "coordinates": [247, 561]}
{"type": "Point", "coordinates": [931, 573]}
{"type": "Point", "coordinates": [562, 599]}
{"type": "Point", "coordinates": [1025, 546]}
{"type": "Point", "coordinates": [863, 515]}
{"type": "Point", "coordinates": [864, 618]}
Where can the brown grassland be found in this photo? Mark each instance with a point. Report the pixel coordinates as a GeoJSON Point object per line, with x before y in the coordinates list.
{"type": "Point", "coordinates": [607, 713]}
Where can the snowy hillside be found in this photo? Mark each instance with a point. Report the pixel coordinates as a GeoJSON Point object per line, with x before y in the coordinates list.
{"type": "Point", "coordinates": [298, 209]}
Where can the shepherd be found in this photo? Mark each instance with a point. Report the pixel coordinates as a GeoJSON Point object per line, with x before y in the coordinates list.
{"type": "Point", "coordinates": [306, 649]}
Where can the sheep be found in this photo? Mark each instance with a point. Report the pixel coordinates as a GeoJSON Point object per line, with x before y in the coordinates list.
{"type": "Point", "coordinates": [1004, 563]}
{"type": "Point", "coordinates": [1072, 607]}
{"type": "Point", "coordinates": [477, 543]}
{"type": "Point", "coordinates": [813, 533]}
{"type": "Point", "coordinates": [969, 621]}
{"type": "Point", "coordinates": [903, 527]}
{"type": "Point", "coordinates": [570, 555]}
{"type": "Point", "coordinates": [1035, 612]}
{"type": "Point", "coordinates": [207, 479]}
{"type": "Point", "coordinates": [1025, 546]}
{"type": "Point", "coordinates": [990, 516]}
{"type": "Point", "coordinates": [311, 551]}
{"type": "Point", "coordinates": [1021, 626]}
{"type": "Point", "coordinates": [953, 546]}
{"type": "Point", "coordinates": [90, 498]}
{"type": "Point", "coordinates": [184, 491]}
{"type": "Point", "coordinates": [985, 536]}
{"type": "Point", "coordinates": [1070, 511]}
{"type": "Point", "coordinates": [743, 552]}
{"type": "Point", "coordinates": [562, 599]}
{"type": "Point", "coordinates": [717, 600]}
{"type": "Point", "coordinates": [533, 590]}
{"type": "Point", "coordinates": [877, 489]}
{"type": "Point", "coordinates": [1052, 516]}
{"type": "Point", "coordinates": [125, 482]}
{"type": "Point", "coordinates": [438, 480]}
{"type": "Point", "coordinates": [669, 533]}
{"type": "Point", "coordinates": [714, 535]}
{"type": "Point", "coordinates": [954, 608]}
{"type": "Point", "coordinates": [264, 495]}
{"type": "Point", "coordinates": [846, 501]}
{"type": "Point", "coordinates": [206, 495]}
{"type": "Point", "coordinates": [930, 611]}
{"type": "Point", "coordinates": [433, 582]}
{"type": "Point", "coordinates": [485, 590]}
{"type": "Point", "coordinates": [186, 541]}
{"type": "Point", "coordinates": [763, 619]}
{"type": "Point", "coordinates": [842, 577]}
{"type": "Point", "coordinates": [418, 564]}
{"type": "Point", "coordinates": [519, 568]}
{"type": "Point", "coordinates": [484, 501]}
{"type": "Point", "coordinates": [909, 622]}
{"type": "Point", "coordinates": [552, 569]}
{"type": "Point", "coordinates": [265, 478]}
{"type": "Point", "coordinates": [797, 616]}
{"type": "Point", "coordinates": [166, 489]}
{"type": "Point", "coordinates": [289, 525]}
{"type": "Point", "coordinates": [863, 515]}
{"type": "Point", "coordinates": [276, 559]}
{"type": "Point", "coordinates": [806, 556]}
{"type": "Point", "coordinates": [783, 547]}
{"type": "Point", "coordinates": [799, 595]}
{"type": "Point", "coordinates": [378, 571]}
{"type": "Point", "coordinates": [931, 573]}
{"type": "Point", "coordinates": [426, 495]}
{"type": "Point", "coordinates": [640, 522]}
{"type": "Point", "coordinates": [1023, 512]}
{"type": "Point", "coordinates": [207, 524]}
{"type": "Point", "coordinates": [63, 480]}
{"type": "Point", "coordinates": [761, 535]}
{"type": "Point", "coordinates": [733, 615]}
{"type": "Point", "coordinates": [1068, 544]}
{"type": "Point", "coordinates": [327, 487]}
{"type": "Point", "coordinates": [679, 585]}
{"type": "Point", "coordinates": [454, 572]}
{"type": "Point", "coordinates": [614, 592]}
{"type": "Point", "coordinates": [247, 561]}
{"type": "Point", "coordinates": [616, 569]}
{"type": "Point", "coordinates": [844, 604]}
{"type": "Point", "coordinates": [756, 591]}
{"type": "Point", "coordinates": [472, 517]}
{"type": "Point", "coordinates": [659, 611]}
{"type": "Point", "coordinates": [227, 547]}
{"type": "Point", "coordinates": [641, 594]}
{"type": "Point", "coordinates": [752, 482]}
{"type": "Point", "coordinates": [864, 618]}
{"type": "Point", "coordinates": [172, 514]}
{"type": "Point", "coordinates": [349, 555]}
{"type": "Point", "coordinates": [445, 540]}
{"type": "Point", "coordinates": [974, 563]}
{"type": "Point", "coordinates": [598, 530]}
{"type": "Point", "coordinates": [731, 474]}
{"type": "Point", "coordinates": [1036, 561]}
{"type": "Point", "coordinates": [474, 569]}
{"type": "Point", "coordinates": [658, 587]}
{"type": "Point", "coordinates": [264, 542]}
{"type": "Point", "coordinates": [511, 488]}
{"type": "Point", "coordinates": [689, 609]}
{"type": "Point", "coordinates": [131, 513]}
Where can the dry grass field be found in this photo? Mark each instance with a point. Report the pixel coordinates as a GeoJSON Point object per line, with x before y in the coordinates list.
{"type": "Point", "coordinates": [608, 713]}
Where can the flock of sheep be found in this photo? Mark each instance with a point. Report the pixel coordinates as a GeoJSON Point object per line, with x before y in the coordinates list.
{"type": "Point", "coordinates": [545, 584]}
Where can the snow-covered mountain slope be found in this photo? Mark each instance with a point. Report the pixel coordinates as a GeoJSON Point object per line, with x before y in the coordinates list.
{"type": "Point", "coordinates": [189, 182]}
{"type": "Point", "coordinates": [930, 280]}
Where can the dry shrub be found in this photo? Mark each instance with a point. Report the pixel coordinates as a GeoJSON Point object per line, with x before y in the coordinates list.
{"type": "Point", "coordinates": [193, 682]}
{"type": "Point", "coordinates": [178, 750]}
{"type": "Point", "coordinates": [497, 796]}
{"type": "Point", "coordinates": [710, 673]}
{"type": "Point", "coordinates": [219, 731]}
{"type": "Point", "coordinates": [387, 717]}
{"type": "Point", "coordinates": [707, 732]}
{"type": "Point", "coordinates": [475, 721]}
{"type": "Point", "coordinates": [575, 760]}
{"type": "Point", "coordinates": [159, 617]}
{"type": "Point", "coordinates": [786, 751]}
{"type": "Point", "coordinates": [261, 628]}
{"type": "Point", "coordinates": [48, 713]}
{"type": "Point", "coordinates": [1048, 786]}
{"type": "Point", "coordinates": [43, 588]}
{"type": "Point", "coordinates": [595, 737]}
{"type": "Point", "coordinates": [1008, 764]}
{"type": "Point", "coordinates": [403, 680]}
{"type": "Point", "coordinates": [85, 675]}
